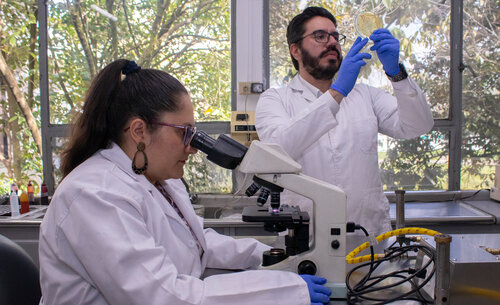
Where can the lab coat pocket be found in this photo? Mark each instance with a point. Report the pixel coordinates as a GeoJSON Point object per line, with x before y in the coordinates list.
{"type": "Point", "coordinates": [375, 211]}
{"type": "Point", "coordinates": [365, 135]}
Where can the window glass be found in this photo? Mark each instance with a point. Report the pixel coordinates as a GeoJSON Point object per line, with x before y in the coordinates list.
{"type": "Point", "coordinates": [416, 164]}
{"type": "Point", "coordinates": [481, 87]}
{"type": "Point", "coordinates": [20, 155]}
{"type": "Point", "coordinates": [422, 28]}
{"type": "Point", "coordinates": [188, 39]}
{"type": "Point", "coordinates": [204, 176]}
{"type": "Point", "coordinates": [57, 149]}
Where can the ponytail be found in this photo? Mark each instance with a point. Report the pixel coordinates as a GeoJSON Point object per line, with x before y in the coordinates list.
{"type": "Point", "coordinates": [120, 91]}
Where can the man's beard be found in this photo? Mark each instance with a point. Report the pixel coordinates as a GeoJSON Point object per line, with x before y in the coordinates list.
{"type": "Point", "coordinates": [311, 64]}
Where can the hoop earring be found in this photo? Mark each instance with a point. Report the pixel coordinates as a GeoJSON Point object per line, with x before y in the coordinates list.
{"type": "Point", "coordinates": [139, 170]}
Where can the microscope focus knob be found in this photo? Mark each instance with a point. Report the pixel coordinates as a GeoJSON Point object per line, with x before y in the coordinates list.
{"type": "Point", "coordinates": [335, 244]}
{"type": "Point", "coordinates": [306, 267]}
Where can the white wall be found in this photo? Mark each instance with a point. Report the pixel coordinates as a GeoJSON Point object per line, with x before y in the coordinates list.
{"type": "Point", "coordinates": [249, 49]}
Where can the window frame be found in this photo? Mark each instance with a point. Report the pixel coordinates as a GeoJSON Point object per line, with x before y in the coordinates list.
{"type": "Point", "coordinates": [452, 125]}
{"type": "Point", "coordinates": [52, 131]}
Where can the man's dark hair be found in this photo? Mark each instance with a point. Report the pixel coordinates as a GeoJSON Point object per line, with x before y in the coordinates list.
{"type": "Point", "coordinates": [296, 27]}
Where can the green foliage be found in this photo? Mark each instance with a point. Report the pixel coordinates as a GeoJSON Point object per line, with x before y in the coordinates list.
{"type": "Point", "coordinates": [481, 113]}
{"type": "Point", "coordinates": [416, 164]}
{"type": "Point", "coordinates": [203, 176]}
{"type": "Point", "coordinates": [19, 47]}
{"type": "Point", "coordinates": [188, 39]}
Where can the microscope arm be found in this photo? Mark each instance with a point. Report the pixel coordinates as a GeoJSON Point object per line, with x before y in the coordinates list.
{"type": "Point", "coordinates": [270, 163]}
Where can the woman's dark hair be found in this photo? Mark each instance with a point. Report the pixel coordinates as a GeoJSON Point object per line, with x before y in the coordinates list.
{"type": "Point", "coordinates": [112, 100]}
{"type": "Point", "coordinates": [296, 28]}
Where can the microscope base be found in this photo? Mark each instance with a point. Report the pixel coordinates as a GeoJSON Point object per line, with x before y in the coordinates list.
{"type": "Point", "coordinates": [339, 290]}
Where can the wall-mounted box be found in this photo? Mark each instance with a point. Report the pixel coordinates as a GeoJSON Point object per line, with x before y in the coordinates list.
{"type": "Point", "coordinates": [243, 127]}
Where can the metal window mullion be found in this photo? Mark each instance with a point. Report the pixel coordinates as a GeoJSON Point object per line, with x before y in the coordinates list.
{"type": "Point", "coordinates": [442, 123]}
{"type": "Point", "coordinates": [234, 73]}
{"type": "Point", "coordinates": [456, 38]}
{"type": "Point", "coordinates": [266, 71]}
{"type": "Point", "coordinates": [58, 131]}
{"type": "Point", "coordinates": [214, 127]}
{"type": "Point", "coordinates": [48, 167]}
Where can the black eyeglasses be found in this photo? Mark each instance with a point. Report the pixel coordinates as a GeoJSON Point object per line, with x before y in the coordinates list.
{"type": "Point", "coordinates": [188, 131]}
{"type": "Point", "coordinates": [322, 37]}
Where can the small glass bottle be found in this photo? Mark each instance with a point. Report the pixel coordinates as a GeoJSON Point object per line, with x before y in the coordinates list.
{"type": "Point", "coordinates": [14, 203]}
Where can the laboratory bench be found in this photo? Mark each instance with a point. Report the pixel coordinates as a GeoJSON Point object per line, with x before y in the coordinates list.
{"type": "Point", "coordinates": [473, 273]}
{"type": "Point", "coordinates": [470, 217]}
{"type": "Point", "coordinates": [458, 213]}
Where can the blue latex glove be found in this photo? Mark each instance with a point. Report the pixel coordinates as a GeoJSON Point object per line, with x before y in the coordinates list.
{"type": "Point", "coordinates": [387, 48]}
{"type": "Point", "coordinates": [319, 294]}
{"type": "Point", "coordinates": [349, 69]}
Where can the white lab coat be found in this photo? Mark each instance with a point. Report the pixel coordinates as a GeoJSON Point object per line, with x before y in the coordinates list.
{"type": "Point", "coordinates": [338, 143]}
{"type": "Point", "coordinates": [110, 237]}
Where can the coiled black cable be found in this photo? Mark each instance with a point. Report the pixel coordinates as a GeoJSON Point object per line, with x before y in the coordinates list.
{"type": "Point", "coordinates": [364, 290]}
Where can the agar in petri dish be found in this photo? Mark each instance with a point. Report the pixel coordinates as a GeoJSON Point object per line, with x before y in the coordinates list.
{"type": "Point", "coordinates": [366, 23]}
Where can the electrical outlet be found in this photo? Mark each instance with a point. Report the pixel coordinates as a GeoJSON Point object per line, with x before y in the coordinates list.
{"type": "Point", "coordinates": [257, 88]}
{"type": "Point", "coordinates": [245, 88]}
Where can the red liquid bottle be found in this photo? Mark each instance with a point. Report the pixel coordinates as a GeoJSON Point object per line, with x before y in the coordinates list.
{"type": "Point", "coordinates": [25, 205]}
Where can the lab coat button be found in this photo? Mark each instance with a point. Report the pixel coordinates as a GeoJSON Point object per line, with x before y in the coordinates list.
{"type": "Point", "coordinates": [191, 243]}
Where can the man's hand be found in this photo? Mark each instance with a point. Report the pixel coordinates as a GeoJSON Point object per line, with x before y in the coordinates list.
{"type": "Point", "coordinates": [387, 48]}
{"type": "Point", "coordinates": [350, 67]}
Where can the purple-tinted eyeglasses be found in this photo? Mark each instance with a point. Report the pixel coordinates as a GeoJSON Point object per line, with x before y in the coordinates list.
{"type": "Point", "coordinates": [188, 134]}
{"type": "Point", "coordinates": [188, 131]}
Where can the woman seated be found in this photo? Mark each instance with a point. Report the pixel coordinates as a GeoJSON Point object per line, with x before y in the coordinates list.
{"type": "Point", "coordinates": [120, 228]}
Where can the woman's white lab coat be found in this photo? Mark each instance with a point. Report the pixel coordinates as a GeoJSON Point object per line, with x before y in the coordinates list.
{"type": "Point", "coordinates": [110, 237]}
{"type": "Point", "coordinates": [338, 143]}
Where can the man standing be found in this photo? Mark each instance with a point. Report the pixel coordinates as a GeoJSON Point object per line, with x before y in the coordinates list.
{"type": "Point", "coordinates": [330, 127]}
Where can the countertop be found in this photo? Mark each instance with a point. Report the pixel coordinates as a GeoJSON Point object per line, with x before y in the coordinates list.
{"type": "Point", "coordinates": [416, 213]}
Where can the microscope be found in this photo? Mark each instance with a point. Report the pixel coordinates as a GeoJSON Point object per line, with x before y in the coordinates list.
{"type": "Point", "coordinates": [273, 171]}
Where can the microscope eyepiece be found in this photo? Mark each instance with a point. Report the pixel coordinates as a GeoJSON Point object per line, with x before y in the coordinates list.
{"type": "Point", "coordinates": [224, 151]}
{"type": "Point", "coordinates": [202, 141]}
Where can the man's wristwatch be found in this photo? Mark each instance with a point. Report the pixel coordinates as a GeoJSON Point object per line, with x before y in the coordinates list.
{"type": "Point", "coordinates": [400, 76]}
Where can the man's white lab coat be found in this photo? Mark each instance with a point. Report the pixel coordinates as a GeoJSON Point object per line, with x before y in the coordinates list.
{"type": "Point", "coordinates": [338, 143]}
{"type": "Point", "coordinates": [110, 237]}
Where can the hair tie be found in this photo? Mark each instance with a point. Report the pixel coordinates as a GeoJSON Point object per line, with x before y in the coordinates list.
{"type": "Point", "coordinates": [131, 67]}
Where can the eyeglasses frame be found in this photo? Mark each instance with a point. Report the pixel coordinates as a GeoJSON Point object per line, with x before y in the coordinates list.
{"type": "Point", "coordinates": [340, 40]}
{"type": "Point", "coordinates": [189, 131]}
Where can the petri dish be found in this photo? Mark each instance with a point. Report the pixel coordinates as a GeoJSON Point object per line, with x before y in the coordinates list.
{"type": "Point", "coordinates": [367, 22]}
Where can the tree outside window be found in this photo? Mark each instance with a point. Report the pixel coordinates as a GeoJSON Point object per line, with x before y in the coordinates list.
{"type": "Point", "coordinates": [188, 39]}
